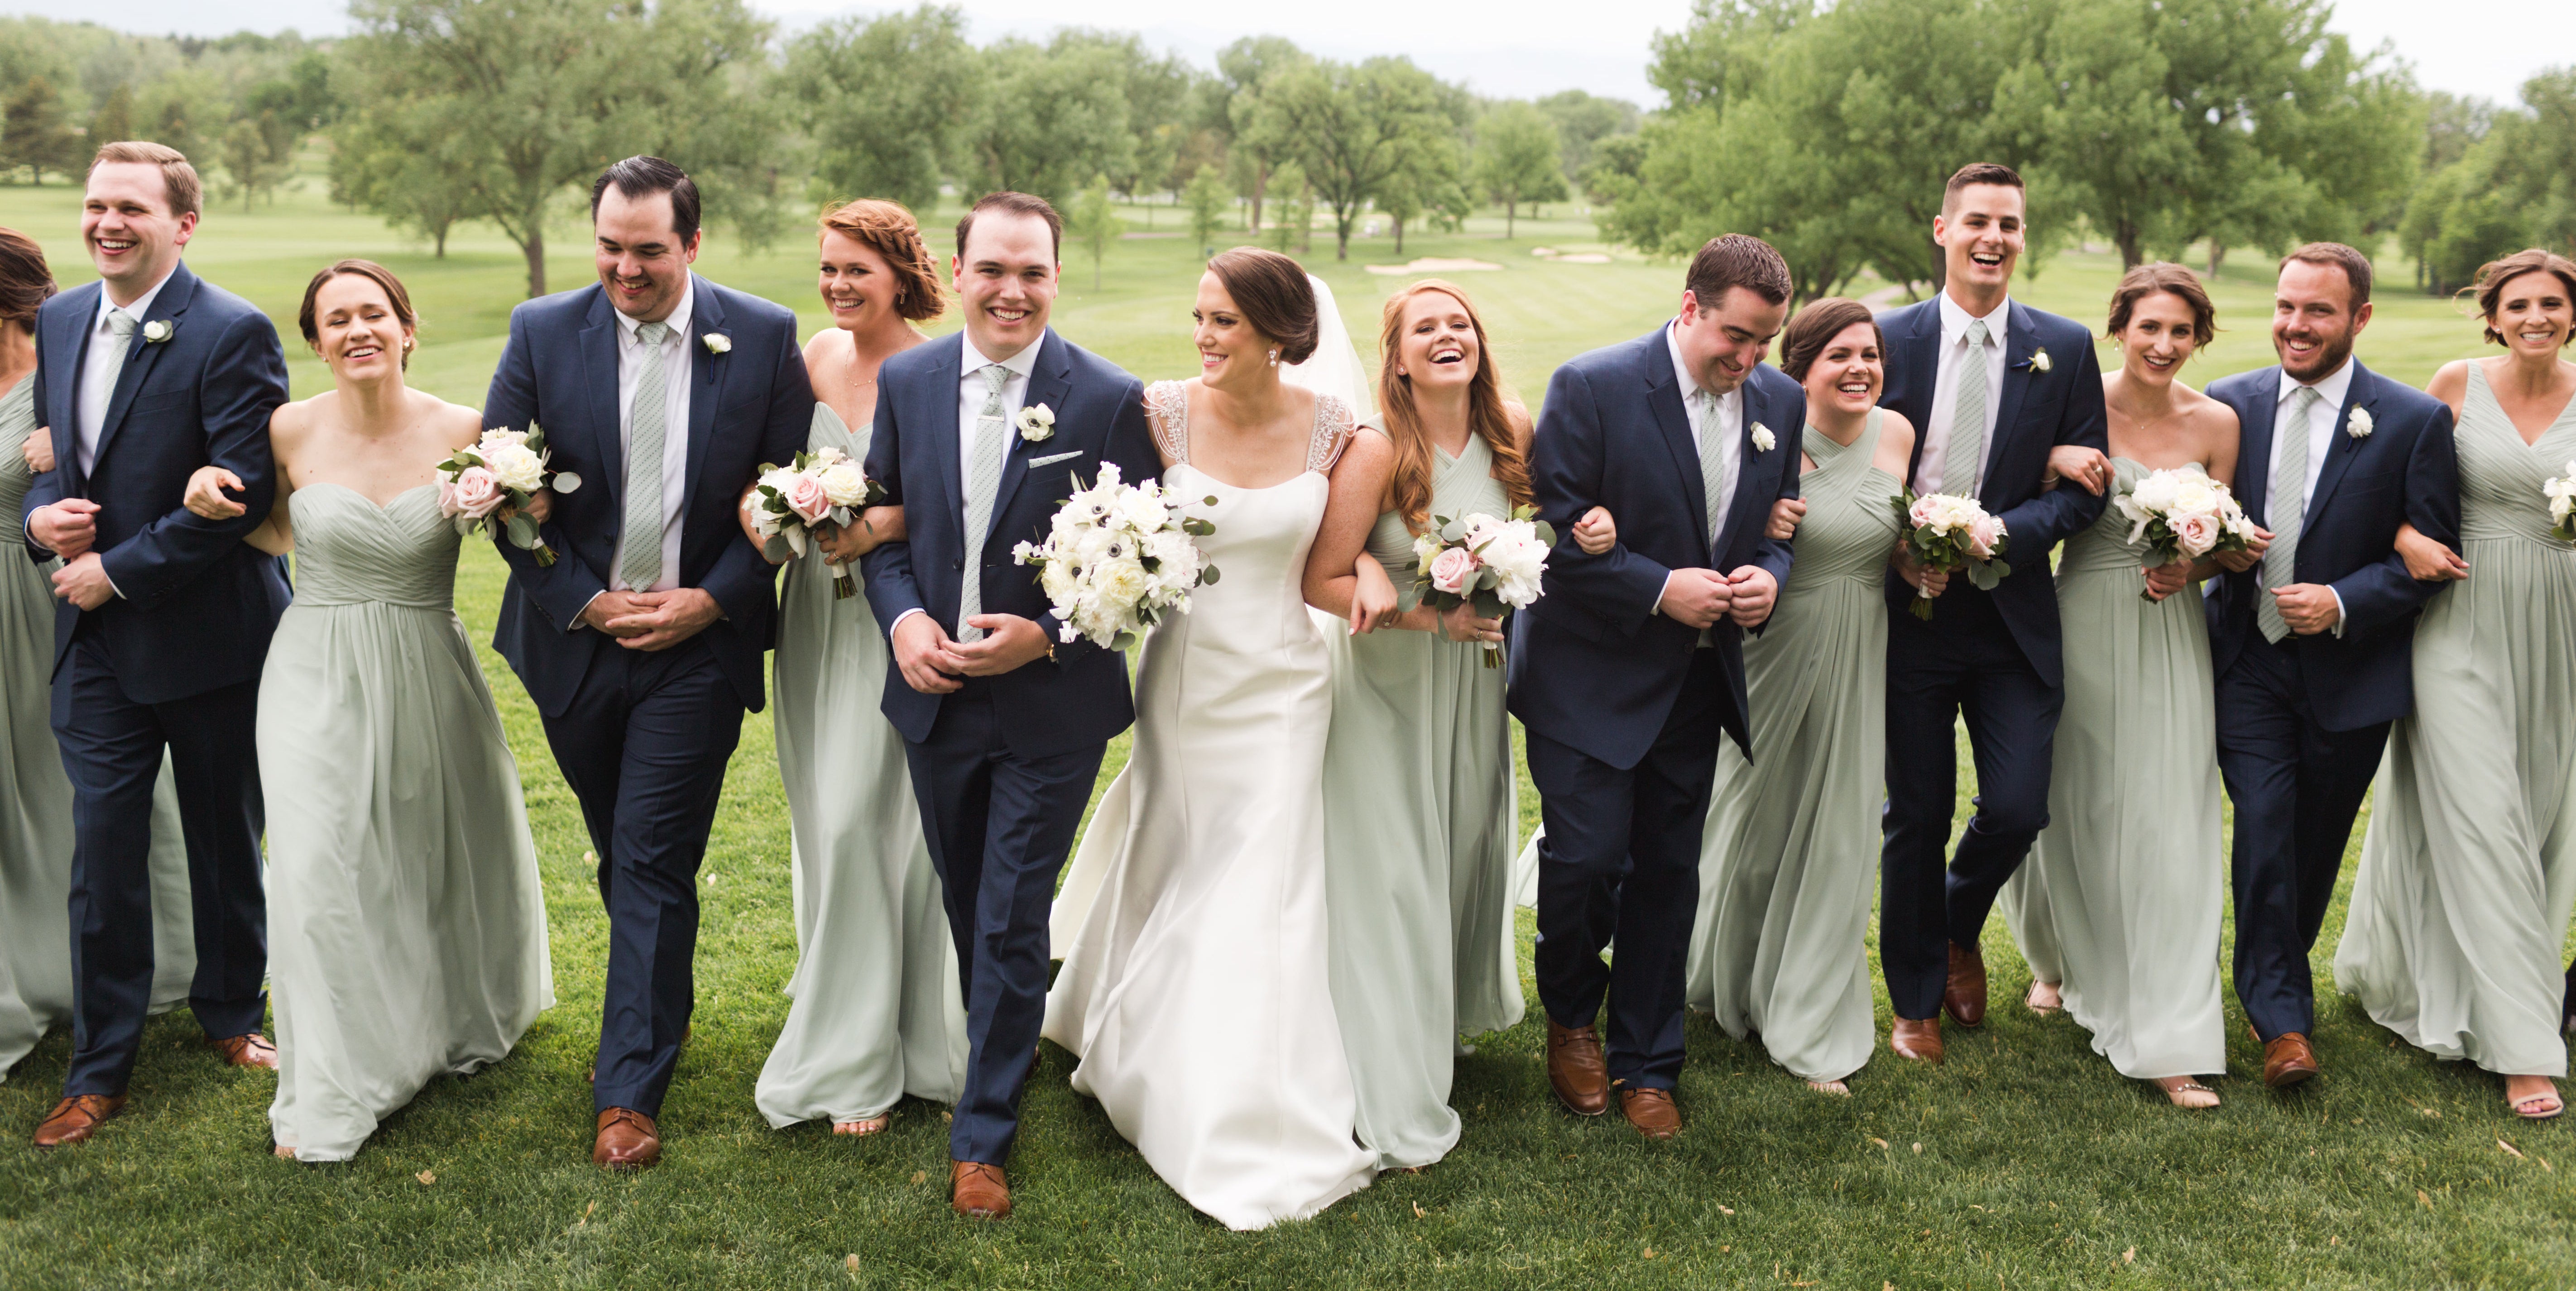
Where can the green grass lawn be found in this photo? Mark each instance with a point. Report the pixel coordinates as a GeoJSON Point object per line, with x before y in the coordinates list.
{"type": "Point", "coordinates": [2025, 1161]}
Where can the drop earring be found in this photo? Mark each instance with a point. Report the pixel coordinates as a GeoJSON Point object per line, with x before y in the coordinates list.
{"type": "Point", "coordinates": [1274, 358]}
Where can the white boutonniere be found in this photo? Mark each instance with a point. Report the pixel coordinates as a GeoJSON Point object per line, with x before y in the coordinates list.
{"type": "Point", "coordinates": [2039, 360]}
{"type": "Point", "coordinates": [717, 343]}
{"type": "Point", "coordinates": [1037, 423]}
{"type": "Point", "coordinates": [1763, 440]}
{"type": "Point", "coordinates": [2358, 425]}
{"type": "Point", "coordinates": [157, 331]}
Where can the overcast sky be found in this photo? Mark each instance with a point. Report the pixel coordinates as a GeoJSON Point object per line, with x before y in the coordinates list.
{"type": "Point", "coordinates": [1504, 48]}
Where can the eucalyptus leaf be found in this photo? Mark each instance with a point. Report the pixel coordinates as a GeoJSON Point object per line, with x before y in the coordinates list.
{"type": "Point", "coordinates": [776, 549]}
{"type": "Point", "coordinates": [1207, 576]}
{"type": "Point", "coordinates": [523, 530]}
{"type": "Point", "coordinates": [565, 482]}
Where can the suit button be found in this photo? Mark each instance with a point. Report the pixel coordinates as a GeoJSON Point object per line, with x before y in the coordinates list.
{"type": "Point", "coordinates": [958, 564]}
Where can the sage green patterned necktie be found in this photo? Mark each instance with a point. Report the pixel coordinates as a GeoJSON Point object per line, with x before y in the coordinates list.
{"type": "Point", "coordinates": [1714, 479]}
{"type": "Point", "coordinates": [2288, 510]}
{"type": "Point", "coordinates": [983, 476]}
{"type": "Point", "coordinates": [640, 555]}
{"type": "Point", "coordinates": [1967, 450]}
{"type": "Point", "coordinates": [120, 332]}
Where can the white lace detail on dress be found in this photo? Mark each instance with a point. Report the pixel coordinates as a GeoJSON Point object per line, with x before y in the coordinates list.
{"type": "Point", "coordinates": [1167, 411]}
{"type": "Point", "coordinates": [1333, 428]}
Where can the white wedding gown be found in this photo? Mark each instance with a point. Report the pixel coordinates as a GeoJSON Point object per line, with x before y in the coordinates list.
{"type": "Point", "coordinates": [1191, 922]}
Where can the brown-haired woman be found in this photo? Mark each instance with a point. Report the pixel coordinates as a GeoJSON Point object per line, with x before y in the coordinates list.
{"type": "Point", "coordinates": [2460, 910]}
{"type": "Point", "coordinates": [2118, 908]}
{"type": "Point", "coordinates": [406, 923]}
{"type": "Point", "coordinates": [1418, 811]}
{"type": "Point", "coordinates": [877, 1013]}
{"type": "Point", "coordinates": [36, 813]}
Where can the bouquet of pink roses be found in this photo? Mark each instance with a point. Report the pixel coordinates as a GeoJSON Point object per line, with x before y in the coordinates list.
{"type": "Point", "coordinates": [1480, 561]}
{"type": "Point", "coordinates": [489, 484]}
{"type": "Point", "coordinates": [1952, 533]}
{"type": "Point", "coordinates": [2182, 514]}
{"type": "Point", "coordinates": [817, 494]}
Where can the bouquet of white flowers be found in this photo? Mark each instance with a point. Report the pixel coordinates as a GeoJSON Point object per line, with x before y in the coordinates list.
{"type": "Point", "coordinates": [2561, 493]}
{"type": "Point", "coordinates": [1952, 533]}
{"type": "Point", "coordinates": [2182, 514]}
{"type": "Point", "coordinates": [818, 493]}
{"type": "Point", "coordinates": [1481, 561]}
{"type": "Point", "coordinates": [1118, 558]}
{"type": "Point", "coordinates": [490, 483]}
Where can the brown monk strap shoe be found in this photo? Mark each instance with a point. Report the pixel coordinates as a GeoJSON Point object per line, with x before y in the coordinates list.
{"type": "Point", "coordinates": [1964, 995]}
{"type": "Point", "coordinates": [1576, 1068]}
{"type": "Point", "coordinates": [2288, 1059]}
{"type": "Point", "coordinates": [1918, 1040]}
{"type": "Point", "coordinates": [1651, 1111]}
{"type": "Point", "coordinates": [75, 1118]}
{"type": "Point", "coordinates": [977, 1190]}
{"type": "Point", "coordinates": [628, 1140]}
{"type": "Point", "coordinates": [251, 1050]}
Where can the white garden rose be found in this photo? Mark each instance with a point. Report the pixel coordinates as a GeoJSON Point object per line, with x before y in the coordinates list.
{"type": "Point", "coordinates": [514, 466]}
{"type": "Point", "coordinates": [1142, 511]}
{"type": "Point", "coordinates": [844, 483]}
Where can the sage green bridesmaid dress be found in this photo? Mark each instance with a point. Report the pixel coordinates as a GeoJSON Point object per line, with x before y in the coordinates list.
{"type": "Point", "coordinates": [2459, 912]}
{"type": "Point", "coordinates": [1418, 832]}
{"type": "Point", "coordinates": [406, 924]}
{"type": "Point", "coordinates": [36, 802]}
{"type": "Point", "coordinates": [1789, 859]}
{"type": "Point", "coordinates": [2121, 897]}
{"type": "Point", "coordinates": [877, 1011]}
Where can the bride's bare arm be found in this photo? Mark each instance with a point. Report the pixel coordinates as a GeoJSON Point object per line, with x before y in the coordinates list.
{"type": "Point", "coordinates": [1333, 580]}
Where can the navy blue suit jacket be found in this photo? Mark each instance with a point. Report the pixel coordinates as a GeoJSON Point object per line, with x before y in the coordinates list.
{"type": "Point", "coordinates": [1594, 667]}
{"type": "Point", "coordinates": [749, 405]}
{"type": "Point", "coordinates": [196, 606]}
{"type": "Point", "coordinates": [1081, 697]}
{"type": "Point", "coordinates": [2034, 413]}
{"type": "Point", "coordinates": [2405, 471]}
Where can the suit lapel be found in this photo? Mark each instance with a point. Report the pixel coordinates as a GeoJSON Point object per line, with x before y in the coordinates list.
{"type": "Point", "coordinates": [707, 371]}
{"type": "Point", "coordinates": [1922, 377]}
{"type": "Point", "coordinates": [66, 343]}
{"type": "Point", "coordinates": [599, 381]}
{"type": "Point", "coordinates": [2254, 448]}
{"type": "Point", "coordinates": [940, 418]}
{"type": "Point", "coordinates": [141, 354]}
{"type": "Point", "coordinates": [2342, 448]}
{"type": "Point", "coordinates": [1049, 380]}
{"type": "Point", "coordinates": [1664, 397]}
{"type": "Point", "coordinates": [2021, 337]}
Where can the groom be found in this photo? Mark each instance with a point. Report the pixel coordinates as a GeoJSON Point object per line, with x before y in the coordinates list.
{"type": "Point", "coordinates": [2311, 632]}
{"type": "Point", "coordinates": [145, 376]}
{"type": "Point", "coordinates": [641, 644]}
{"type": "Point", "coordinates": [1630, 668]}
{"type": "Point", "coordinates": [1004, 722]}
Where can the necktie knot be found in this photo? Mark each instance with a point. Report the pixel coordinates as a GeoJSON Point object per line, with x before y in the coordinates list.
{"type": "Point", "coordinates": [995, 377]}
{"type": "Point", "coordinates": [653, 333]}
{"type": "Point", "coordinates": [1977, 333]}
{"type": "Point", "coordinates": [120, 324]}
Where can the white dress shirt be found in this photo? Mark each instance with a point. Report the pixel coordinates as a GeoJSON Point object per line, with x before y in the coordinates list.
{"type": "Point", "coordinates": [97, 385]}
{"type": "Point", "coordinates": [971, 393]}
{"type": "Point", "coordinates": [1730, 422]}
{"type": "Point", "coordinates": [679, 371]}
{"type": "Point", "coordinates": [1945, 392]}
{"type": "Point", "coordinates": [2323, 415]}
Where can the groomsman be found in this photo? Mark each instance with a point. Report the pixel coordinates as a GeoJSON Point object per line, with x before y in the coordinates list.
{"type": "Point", "coordinates": [642, 643]}
{"type": "Point", "coordinates": [1995, 385]}
{"type": "Point", "coordinates": [145, 376]}
{"type": "Point", "coordinates": [2312, 631]}
{"type": "Point", "coordinates": [1630, 670]}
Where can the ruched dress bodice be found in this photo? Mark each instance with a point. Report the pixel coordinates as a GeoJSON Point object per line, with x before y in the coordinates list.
{"type": "Point", "coordinates": [350, 551]}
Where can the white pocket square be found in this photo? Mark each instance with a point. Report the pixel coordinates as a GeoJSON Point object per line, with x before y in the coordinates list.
{"type": "Point", "coordinates": [1052, 458]}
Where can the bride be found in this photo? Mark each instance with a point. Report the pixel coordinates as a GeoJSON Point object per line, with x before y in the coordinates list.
{"type": "Point", "coordinates": [1194, 987]}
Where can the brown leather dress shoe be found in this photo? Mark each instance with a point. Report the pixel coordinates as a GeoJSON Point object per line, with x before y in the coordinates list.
{"type": "Point", "coordinates": [75, 1118]}
{"type": "Point", "coordinates": [1964, 995]}
{"type": "Point", "coordinates": [1575, 1066]}
{"type": "Point", "coordinates": [1651, 1111]}
{"type": "Point", "coordinates": [1918, 1040]}
{"type": "Point", "coordinates": [251, 1050]}
{"type": "Point", "coordinates": [2288, 1059]}
{"type": "Point", "coordinates": [628, 1140]}
{"type": "Point", "coordinates": [978, 1191]}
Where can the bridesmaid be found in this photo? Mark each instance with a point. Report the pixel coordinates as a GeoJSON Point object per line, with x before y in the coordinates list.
{"type": "Point", "coordinates": [1418, 814]}
{"type": "Point", "coordinates": [407, 927]}
{"type": "Point", "coordinates": [1789, 860]}
{"type": "Point", "coordinates": [2118, 910]}
{"type": "Point", "coordinates": [877, 1012]}
{"type": "Point", "coordinates": [2460, 909]}
{"type": "Point", "coordinates": [35, 798]}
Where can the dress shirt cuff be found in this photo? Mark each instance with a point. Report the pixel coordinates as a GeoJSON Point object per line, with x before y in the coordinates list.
{"type": "Point", "coordinates": [581, 621]}
{"type": "Point", "coordinates": [898, 619]}
{"type": "Point", "coordinates": [1661, 593]}
{"type": "Point", "coordinates": [2340, 617]}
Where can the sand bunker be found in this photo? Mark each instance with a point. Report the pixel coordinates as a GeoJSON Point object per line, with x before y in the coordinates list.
{"type": "Point", "coordinates": [1430, 264]}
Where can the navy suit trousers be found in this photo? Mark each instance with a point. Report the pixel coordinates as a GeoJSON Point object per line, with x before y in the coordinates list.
{"type": "Point", "coordinates": [999, 827]}
{"type": "Point", "coordinates": [112, 750]}
{"type": "Point", "coordinates": [644, 745]}
{"type": "Point", "coordinates": [2296, 787]}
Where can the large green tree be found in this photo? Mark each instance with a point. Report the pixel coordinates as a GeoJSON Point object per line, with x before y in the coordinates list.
{"type": "Point", "coordinates": [1049, 117]}
{"type": "Point", "coordinates": [1354, 128]}
{"type": "Point", "coordinates": [1519, 158]}
{"type": "Point", "coordinates": [2513, 188]}
{"type": "Point", "coordinates": [1256, 139]}
{"type": "Point", "coordinates": [1583, 121]}
{"type": "Point", "coordinates": [885, 101]}
{"type": "Point", "coordinates": [35, 135]}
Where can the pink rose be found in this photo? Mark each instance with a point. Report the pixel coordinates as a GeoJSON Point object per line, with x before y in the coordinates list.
{"type": "Point", "coordinates": [807, 498]}
{"type": "Point", "coordinates": [1922, 512]}
{"type": "Point", "coordinates": [1982, 533]}
{"type": "Point", "coordinates": [1453, 569]}
{"type": "Point", "coordinates": [2195, 534]}
{"type": "Point", "coordinates": [474, 493]}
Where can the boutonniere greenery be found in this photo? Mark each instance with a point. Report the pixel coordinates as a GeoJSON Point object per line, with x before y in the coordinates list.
{"type": "Point", "coordinates": [2358, 424]}
{"type": "Point", "coordinates": [1037, 423]}
{"type": "Point", "coordinates": [157, 331]}
{"type": "Point", "coordinates": [2038, 361]}
{"type": "Point", "coordinates": [1763, 440]}
{"type": "Point", "coordinates": [717, 343]}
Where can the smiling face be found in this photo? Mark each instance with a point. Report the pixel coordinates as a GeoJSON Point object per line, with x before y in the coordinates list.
{"type": "Point", "coordinates": [2534, 314]}
{"type": "Point", "coordinates": [356, 330]}
{"type": "Point", "coordinates": [858, 285]}
{"type": "Point", "coordinates": [1007, 282]}
{"type": "Point", "coordinates": [643, 262]}
{"type": "Point", "coordinates": [1232, 352]}
{"type": "Point", "coordinates": [2313, 320]}
{"type": "Point", "coordinates": [127, 225]}
{"type": "Point", "coordinates": [1981, 233]}
{"type": "Point", "coordinates": [2159, 339]}
{"type": "Point", "coordinates": [1846, 375]}
{"type": "Point", "coordinates": [1436, 343]}
{"type": "Point", "coordinates": [1722, 343]}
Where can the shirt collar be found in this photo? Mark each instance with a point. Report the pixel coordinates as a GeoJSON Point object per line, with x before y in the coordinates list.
{"type": "Point", "coordinates": [2330, 391]}
{"type": "Point", "coordinates": [679, 319]}
{"type": "Point", "coordinates": [1955, 319]}
{"type": "Point", "coordinates": [142, 306]}
{"type": "Point", "coordinates": [1020, 364]}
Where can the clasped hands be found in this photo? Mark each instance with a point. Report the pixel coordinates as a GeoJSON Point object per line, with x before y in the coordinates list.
{"type": "Point", "coordinates": [1699, 598]}
{"type": "Point", "coordinates": [934, 664]}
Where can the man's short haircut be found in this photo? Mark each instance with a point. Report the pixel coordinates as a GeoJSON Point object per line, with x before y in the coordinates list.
{"type": "Point", "coordinates": [1737, 260]}
{"type": "Point", "coordinates": [1009, 203]}
{"type": "Point", "coordinates": [637, 178]}
{"type": "Point", "coordinates": [1981, 172]}
{"type": "Point", "coordinates": [179, 183]}
{"type": "Point", "coordinates": [2355, 266]}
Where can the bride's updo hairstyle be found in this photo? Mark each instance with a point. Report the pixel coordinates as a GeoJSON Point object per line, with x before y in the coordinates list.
{"type": "Point", "coordinates": [888, 229]}
{"type": "Point", "coordinates": [371, 271]}
{"type": "Point", "coordinates": [1275, 298]}
{"type": "Point", "coordinates": [1492, 414]}
{"type": "Point", "coordinates": [1816, 326]}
